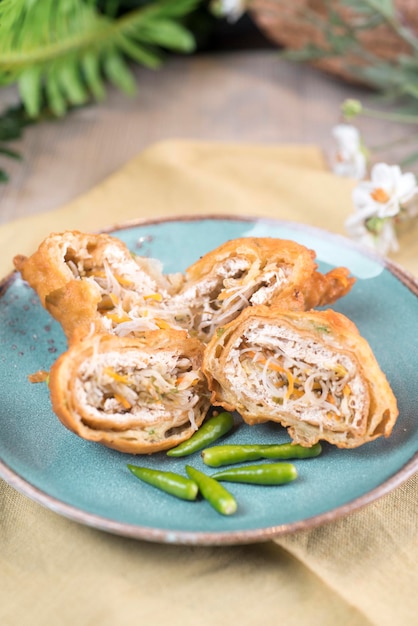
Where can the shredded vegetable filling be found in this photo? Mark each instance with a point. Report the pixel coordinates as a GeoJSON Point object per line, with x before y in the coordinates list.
{"type": "Point", "coordinates": [235, 284]}
{"type": "Point", "coordinates": [132, 301]}
{"type": "Point", "coordinates": [138, 389]}
{"type": "Point", "coordinates": [133, 290]}
{"type": "Point", "coordinates": [301, 378]}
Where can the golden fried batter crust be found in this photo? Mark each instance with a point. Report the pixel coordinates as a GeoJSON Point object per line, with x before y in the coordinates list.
{"type": "Point", "coordinates": [108, 301]}
{"type": "Point", "coordinates": [303, 282]}
{"type": "Point", "coordinates": [76, 275]}
{"type": "Point", "coordinates": [137, 395]}
{"type": "Point", "coordinates": [310, 371]}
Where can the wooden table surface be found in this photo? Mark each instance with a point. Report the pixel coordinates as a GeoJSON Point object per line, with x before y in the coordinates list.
{"type": "Point", "coordinates": [239, 96]}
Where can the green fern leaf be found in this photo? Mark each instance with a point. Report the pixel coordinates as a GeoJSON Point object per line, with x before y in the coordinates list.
{"type": "Point", "coordinates": [71, 84]}
{"type": "Point", "coordinates": [10, 153]}
{"type": "Point", "coordinates": [118, 72]}
{"type": "Point", "coordinates": [56, 99]}
{"type": "Point", "coordinates": [67, 49]}
{"type": "Point", "coordinates": [168, 34]}
{"type": "Point", "coordinates": [30, 89]}
{"type": "Point", "coordinates": [139, 53]}
{"type": "Point", "coordinates": [90, 66]}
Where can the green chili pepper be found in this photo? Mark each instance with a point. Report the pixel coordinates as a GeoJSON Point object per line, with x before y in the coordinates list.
{"type": "Point", "coordinates": [210, 431]}
{"type": "Point", "coordinates": [215, 493]}
{"type": "Point", "coordinates": [171, 483]}
{"type": "Point", "coordinates": [262, 474]}
{"type": "Point", "coordinates": [230, 454]}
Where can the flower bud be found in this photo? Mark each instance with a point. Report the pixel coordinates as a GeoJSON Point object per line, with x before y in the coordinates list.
{"type": "Point", "coordinates": [351, 108]}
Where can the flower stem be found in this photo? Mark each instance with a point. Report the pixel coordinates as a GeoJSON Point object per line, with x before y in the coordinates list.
{"type": "Point", "coordinates": [392, 144]}
{"type": "Point", "coordinates": [392, 117]}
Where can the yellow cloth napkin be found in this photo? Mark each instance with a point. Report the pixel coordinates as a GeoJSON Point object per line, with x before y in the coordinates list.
{"type": "Point", "coordinates": [360, 570]}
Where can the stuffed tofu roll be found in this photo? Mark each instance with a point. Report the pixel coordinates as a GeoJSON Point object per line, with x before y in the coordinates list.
{"type": "Point", "coordinates": [250, 271]}
{"type": "Point", "coordinates": [88, 279]}
{"type": "Point", "coordinates": [137, 395]}
{"type": "Point", "coordinates": [311, 371]}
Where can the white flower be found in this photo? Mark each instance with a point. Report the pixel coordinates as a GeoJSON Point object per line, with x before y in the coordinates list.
{"type": "Point", "coordinates": [350, 158]}
{"type": "Point", "coordinates": [377, 202]}
{"type": "Point", "coordinates": [383, 239]}
{"type": "Point", "coordinates": [387, 191]}
{"type": "Point", "coordinates": [231, 9]}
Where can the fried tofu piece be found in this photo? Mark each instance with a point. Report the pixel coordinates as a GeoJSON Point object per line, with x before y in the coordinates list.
{"type": "Point", "coordinates": [94, 281]}
{"type": "Point", "coordinates": [310, 371]}
{"type": "Point", "coordinates": [137, 395]}
{"type": "Point", "coordinates": [249, 271]}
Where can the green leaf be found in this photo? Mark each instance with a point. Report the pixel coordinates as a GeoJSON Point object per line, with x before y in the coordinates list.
{"type": "Point", "coordinates": [139, 53]}
{"type": "Point", "coordinates": [68, 48]}
{"type": "Point", "coordinates": [340, 43]}
{"type": "Point", "coordinates": [177, 8]}
{"type": "Point", "coordinates": [311, 52]}
{"type": "Point", "coordinates": [30, 89]}
{"type": "Point", "coordinates": [118, 72]}
{"type": "Point", "coordinates": [412, 90]}
{"type": "Point", "coordinates": [3, 176]}
{"type": "Point", "coordinates": [384, 7]}
{"type": "Point", "coordinates": [10, 153]}
{"type": "Point", "coordinates": [169, 34]}
{"type": "Point", "coordinates": [71, 83]}
{"type": "Point", "coordinates": [90, 65]}
{"type": "Point", "coordinates": [12, 121]}
{"type": "Point", "coordinates": [409, 160]}
{"type": "Point", "coordinates": [54, 95]}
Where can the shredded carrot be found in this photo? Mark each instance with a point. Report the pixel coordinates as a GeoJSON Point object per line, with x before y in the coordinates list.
{"type": "Point", "coordinates": [271, 366]}
{"type": "Point", "coordinates": [346, 390]}
{"type": "Point", "coordinates": [335, 416]}
{"type": "Point", "coordinates": [297, 393]}
{"type": "Point", "coordinates": [119, 378]}
{"type": "Point", "coordinates": [118, 319]}
{"type": "Point", "coordinates": [330, 398]}
{"type": "Point", "coordinates": [181, 379]}
{"type": "Point", "coordinates": [291, 384]}
{"type": "Point", "coordinates": [162, 323]}
{"type": "Point", "coordinates": [124, 282]}
{"type": "Point", "coordinates": [340, 370]}
{"type": "Point", "coordinates": [224, 294]}
{"type": "Point", "coordinates": [277, 368]}
{"type": "Point", "coordinates": [122, 400]}
{"type": "Point", "coordinates": [154, 296]}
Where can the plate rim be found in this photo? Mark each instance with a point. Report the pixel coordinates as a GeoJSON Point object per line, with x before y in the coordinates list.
{"type": "Point", "coordinates": [225, 537]}
{"type": "Point", "coordinates": [204, 538]}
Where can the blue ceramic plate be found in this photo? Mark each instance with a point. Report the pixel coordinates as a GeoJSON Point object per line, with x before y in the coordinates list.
{"type": "Point", "coordinates": [91, 484]}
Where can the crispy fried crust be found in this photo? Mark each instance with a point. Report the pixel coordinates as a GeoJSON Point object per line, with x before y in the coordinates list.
{"type": "Point", "coordinates": [266, 254]}
{"type": "Point", "coordinates": [259, 250]}
{"type": "Point", "coordinates": [49, 268]}
{"type": "Point", "coordinates": [107, 302]}
{"type": "Point", "coordinates": [256, 270]}
{"type": "Point", "coordinates": [310, 371]}
{"type": "Point", "coordinates": [137, 395]}
{"type": "Point", "coordinates": [81, 277]}
{"type": "Point", "coordinates": [92, 282]}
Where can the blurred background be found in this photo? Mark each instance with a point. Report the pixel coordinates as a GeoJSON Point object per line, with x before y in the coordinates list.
{"type": "Point", "coordinates": [87, 84]}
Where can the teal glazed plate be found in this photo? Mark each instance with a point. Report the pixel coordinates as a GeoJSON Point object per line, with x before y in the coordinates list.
{"type": "Point", "coordinates": [91, 484]}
